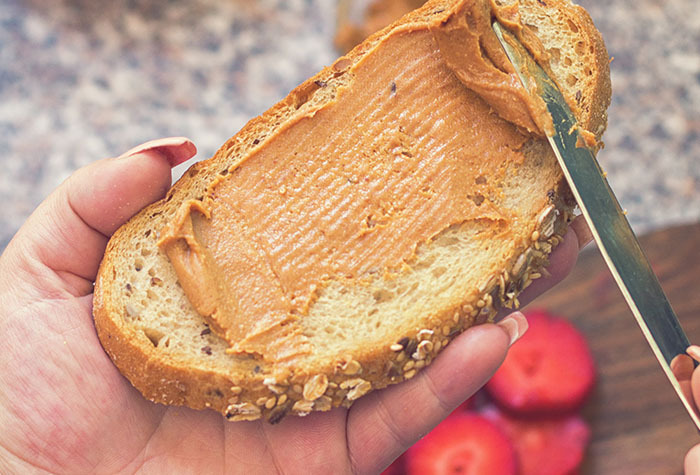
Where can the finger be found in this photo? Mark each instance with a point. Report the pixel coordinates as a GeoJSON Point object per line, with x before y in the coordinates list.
{"type": "Point", "coordinates": [385, 423]}
{"type": "Point", "coordinates": [175, 150]}
{"type": "Point", "coordinates": [583, 232]}
{"type": "Point", "coordinates": [694, 352]}
{"type": "Point", "coordinates": [104, 195]}
{"type": "Point", "coordinates": [682, 368]}
{"type": "Point", "coordinates": [64, 239]}
{"type": "Point", "coordinates": [692, 461]}
{"type": "Point", "coordinates": [312, 444]}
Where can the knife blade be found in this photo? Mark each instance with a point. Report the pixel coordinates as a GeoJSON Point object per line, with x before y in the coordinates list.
{"type": "Point", "coordinates": [611, 231]}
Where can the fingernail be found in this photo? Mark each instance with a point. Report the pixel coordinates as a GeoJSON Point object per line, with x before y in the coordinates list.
{"type": "Point", "coordinates": [515, 325]}
{"type": "Point", "coordinates": [174, 149]}
{"type": "Point", "coordinates": [694, 352]}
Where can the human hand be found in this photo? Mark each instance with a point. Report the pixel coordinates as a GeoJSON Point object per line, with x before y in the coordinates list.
{"type": "Point", "coordinates": [64, 407]}
{"type": "Point", "coordinates": [689, 378]}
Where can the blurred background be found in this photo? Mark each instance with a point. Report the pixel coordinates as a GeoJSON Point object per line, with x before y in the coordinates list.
{"type": "Point", "coordinates": [82, 80]}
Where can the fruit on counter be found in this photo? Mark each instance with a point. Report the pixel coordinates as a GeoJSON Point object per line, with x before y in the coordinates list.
{"type": "Point", "coordinates": [396, 467]}
{"type": "Point", "coordinates": [549, 370]}
{"type": "Point", "coordinates": [467, 444]}
{"type": "Point", "coordinates": [534, 403]}
{"type": "Point", "coordinates": [545, 446]}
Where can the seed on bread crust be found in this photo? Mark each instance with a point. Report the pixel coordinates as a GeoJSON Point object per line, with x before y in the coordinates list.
{"type": "Point", "coordinates": [273, 385]}
{"type": "Point", "coordinates": [546, 220]}
{"type": "Point", "coordinates": [425, 334]}
{"type": "Point", "coordinates": [302, 407]}
{"type": "Point", "coordinates": [521, 264]}
{"type": "Point", "coordinates": [350, 383]}
{"type": "Point", "coordinates": [315, 387]}
{"type": "Point", "coordinates": [324, 403]}
{"type": "Point", "coordinates": [348, 366]}
{"type": "Point", "coordinates": [277, 414]}
{"type": "Point", "coordinates": [359, 390]}
{"type": "Point", "coordinates": [410, 347]}
{"type": "Point", "coordinates": [424, 348]}
{"type": "Point", "coordinates": [488, 283]}
{"type": "Point", "coordinates": [243, 412]}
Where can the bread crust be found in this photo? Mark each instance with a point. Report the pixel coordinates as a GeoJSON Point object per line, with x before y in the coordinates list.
{"type": "Point", "coordinates": [246, 391]}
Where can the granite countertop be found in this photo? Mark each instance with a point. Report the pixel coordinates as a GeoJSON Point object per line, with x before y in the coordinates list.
{"type": "Point", "coordinates": [82, 80]}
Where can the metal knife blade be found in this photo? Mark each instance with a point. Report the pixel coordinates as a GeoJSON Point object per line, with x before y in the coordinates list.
{"type": "Point", "coordinates": [606, 219]}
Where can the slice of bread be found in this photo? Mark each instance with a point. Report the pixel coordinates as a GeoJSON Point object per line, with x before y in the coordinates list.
{"type": "Point", "coordinates": [383, 324]}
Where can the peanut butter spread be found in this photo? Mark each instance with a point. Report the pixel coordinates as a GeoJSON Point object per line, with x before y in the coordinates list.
{"type": "Point", "coordinates": [416, 141]}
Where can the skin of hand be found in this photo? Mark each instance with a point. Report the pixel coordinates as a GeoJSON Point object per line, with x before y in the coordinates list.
{"type": "Point", "coordinates": [689, 378]}
{"type": "Point", "coordinates": [65, 408]}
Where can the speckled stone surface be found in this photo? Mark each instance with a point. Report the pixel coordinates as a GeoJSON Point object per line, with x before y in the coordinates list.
{"type": "Point", "coordinates": [82, 80]}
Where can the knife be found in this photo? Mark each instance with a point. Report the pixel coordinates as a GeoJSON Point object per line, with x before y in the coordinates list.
{"type": "Point", "coordinates": [606, 220]}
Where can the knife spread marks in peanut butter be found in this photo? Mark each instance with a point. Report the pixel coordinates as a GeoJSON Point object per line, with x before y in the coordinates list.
{"type": "Point", "coordinates": [416, 140]}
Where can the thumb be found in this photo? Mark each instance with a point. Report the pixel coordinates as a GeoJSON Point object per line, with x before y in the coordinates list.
{"type": "Point", "coordinates": [60, 246]}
